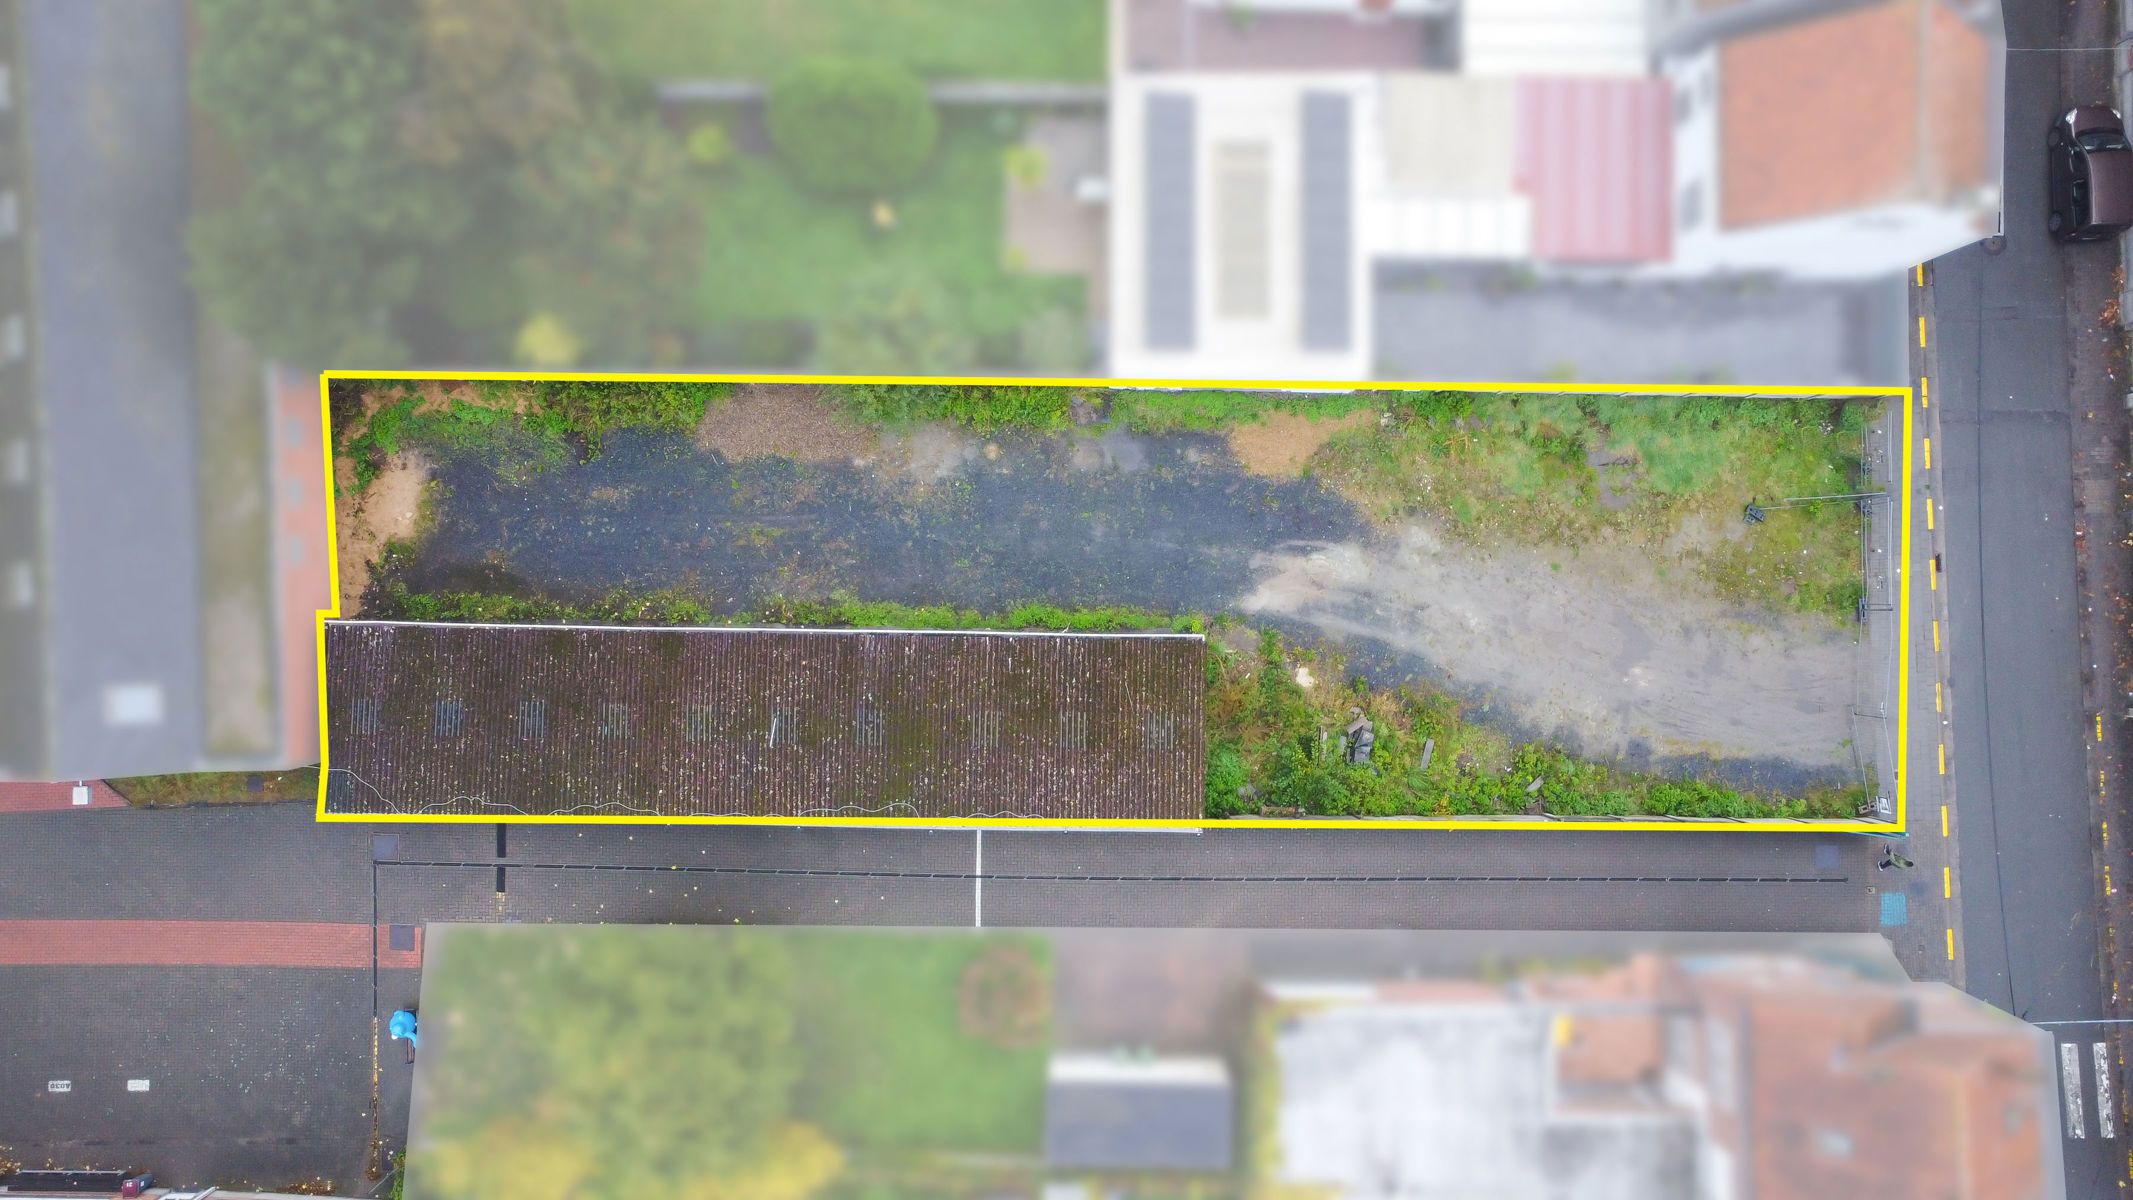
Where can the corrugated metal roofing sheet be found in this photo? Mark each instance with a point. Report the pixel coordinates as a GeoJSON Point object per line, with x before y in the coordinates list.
{"type": "Point", "coordinates": [1596, 156]}
{"type": "Point", "coordinates": [546, 720]}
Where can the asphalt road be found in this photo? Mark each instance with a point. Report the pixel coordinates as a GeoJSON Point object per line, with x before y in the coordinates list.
{"type": "Point", "coordinates": [2007, 416]}
{"type": "Point", "coordinates": [264, 1075]}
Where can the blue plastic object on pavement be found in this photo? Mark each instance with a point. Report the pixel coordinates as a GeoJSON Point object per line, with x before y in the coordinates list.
{"type": "Point", "coordinates": [402, 1026]}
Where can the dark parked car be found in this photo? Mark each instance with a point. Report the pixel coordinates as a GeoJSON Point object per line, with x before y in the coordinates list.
{"type": "Point", "coordinates": [2091, 174]}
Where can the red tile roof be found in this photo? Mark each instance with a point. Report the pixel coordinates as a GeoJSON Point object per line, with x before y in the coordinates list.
{"type": "Point", "coordinates": [1878, 104]}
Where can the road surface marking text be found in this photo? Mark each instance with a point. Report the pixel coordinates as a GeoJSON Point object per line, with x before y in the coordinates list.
{"type": "Point", "coordinates": [57, 1086]}
{"type": "Point", "coordinates": [136, 1085]}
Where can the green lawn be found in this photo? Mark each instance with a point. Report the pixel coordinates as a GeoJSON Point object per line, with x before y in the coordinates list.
{"type": "Point", "coordinates": [647, 40]}
{"type": "Point", "coordinates": [775, 253]}
{"type": "Point", "coordinates": [888, 1067]}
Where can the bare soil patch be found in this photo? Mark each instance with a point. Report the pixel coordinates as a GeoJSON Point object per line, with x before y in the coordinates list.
{"type": "Point", "coordinates": [783, 420]}
{"type": "Point", "coordinates": [1280, 443]}
{"type": "Point", "coordinates": [390, 509]}
{"type": "Point", "coordinates": [1575, 644]}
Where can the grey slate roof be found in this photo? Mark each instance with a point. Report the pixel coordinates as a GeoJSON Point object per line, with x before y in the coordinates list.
{"type": "Point", "coordinates": [1130, 1124]}
{"type": "Point", "coordinates": [591, 721]}
{"type": "Point", "coordinates": [1328, 230]}
{"type": "Point", "coordinates": [1169, 222]}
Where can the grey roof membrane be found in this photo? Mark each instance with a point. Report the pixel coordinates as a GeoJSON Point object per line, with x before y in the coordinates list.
{"type": "Point", "coordinates": [1091, 1125]}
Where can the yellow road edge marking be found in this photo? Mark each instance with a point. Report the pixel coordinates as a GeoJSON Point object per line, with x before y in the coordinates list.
{"type": "Point", "coordinates": [1947, 882]}
{"type": "Point", "coordinates": [1852, 391]}
{"type": "Point", "coordinates": [1944, 820]}
{"type": "Point", "coordinates": [1944, 758]}
{"type": "Point", "coordinates": [1936, 635]}
{"type": "Point", "coordinates": [1920, 270]}
{"type": "Point", "coordinates": [1929, 454]}
{"type": "Point", "coordinates": [1921, 333]}
{"type": "Point", "coordinates": [1951, 943]}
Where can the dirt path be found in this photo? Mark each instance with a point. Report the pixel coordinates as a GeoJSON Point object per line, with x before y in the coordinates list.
{"type": "Point", "coordinates": [1579, 648]}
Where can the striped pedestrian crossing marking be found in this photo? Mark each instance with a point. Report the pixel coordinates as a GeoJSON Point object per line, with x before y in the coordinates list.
{"type": "Point", "coordinates": [2106, 1108]}
{"type": "Point", "coordinates": [2070, 1090]}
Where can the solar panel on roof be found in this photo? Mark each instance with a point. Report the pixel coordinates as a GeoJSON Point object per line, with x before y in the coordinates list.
{"type": "Point", "coordinates": [1328, 220]}
{"type": "Point", "coordinates": [1168, 291]}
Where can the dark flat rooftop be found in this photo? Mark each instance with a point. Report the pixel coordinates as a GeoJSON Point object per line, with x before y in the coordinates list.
{"type": "Point", "coordinates": [593, 721]}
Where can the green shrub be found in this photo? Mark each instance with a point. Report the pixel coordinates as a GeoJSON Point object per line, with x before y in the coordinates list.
{"type": "Point", "coordinates": [982, 407]}
{"type": "Point", "coordinates": [851, 126]}
{"type": "Point", "coordinates": [710, 145]}
{"type": "Point", "coordinates": [1225, 777]}
{"type": "Point", "coordinates": [588, 408]}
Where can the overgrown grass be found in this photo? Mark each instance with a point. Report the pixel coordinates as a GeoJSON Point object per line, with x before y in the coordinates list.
{"type": "Point", "coordinates": [217, 787]}
{"type": "Point", "coordinates": [539, 419]}
{"type": "Point", "coordinates": [984, 408]}
{"type": "Point", "coordinates": [889, 1070]}
{"type": "Point", "coordinates": [1274, 746]}
{"type": "Point", "coordinates": [1669, 475]}
{"type": "Point", "coordinates": [1151, 411]}
{"type": "Point", "coordinates": [678, 607]}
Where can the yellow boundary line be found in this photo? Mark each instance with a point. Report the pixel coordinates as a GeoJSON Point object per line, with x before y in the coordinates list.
{"type": "Point", "coordinates": [1903, 613]}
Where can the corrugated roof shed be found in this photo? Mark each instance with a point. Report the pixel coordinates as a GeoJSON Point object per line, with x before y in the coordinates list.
{"type": "Point", "coordinates": [588, 721]}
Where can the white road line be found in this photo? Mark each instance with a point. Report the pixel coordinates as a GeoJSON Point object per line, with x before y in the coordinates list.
{"type": "Point", "coordinates": [136, 1085]}
{"type": "Point", "coordinates": [2070, 1089]}
{"type": "Point", "coordinates": [977, 884]}
{"type": "Point", "coordinates": [2106, 1111]}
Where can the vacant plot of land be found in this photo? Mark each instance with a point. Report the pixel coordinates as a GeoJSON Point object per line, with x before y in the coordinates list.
{"type": "Point", "coordinates": [1574, 569]}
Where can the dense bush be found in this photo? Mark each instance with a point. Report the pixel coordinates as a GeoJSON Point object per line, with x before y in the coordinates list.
{"type": "Point", "coordinates": [588, 408]}
{"type": "Point", "coordinates": [851, 126]}
{"type": "Point", "coordinates": [983, 407]}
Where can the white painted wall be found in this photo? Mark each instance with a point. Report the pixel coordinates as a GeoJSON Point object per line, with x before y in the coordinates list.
{"type": "Point", "coordinates": [1554, 37]}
